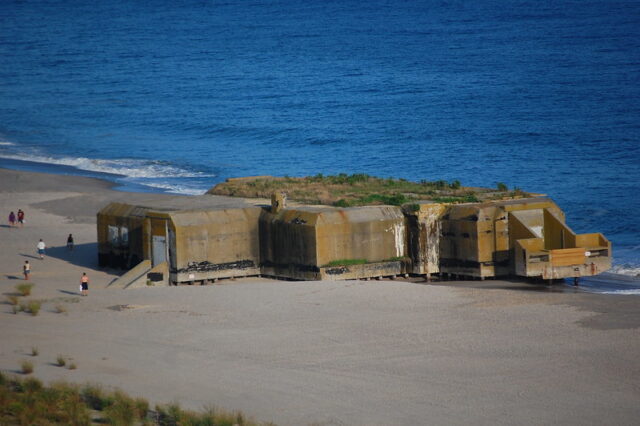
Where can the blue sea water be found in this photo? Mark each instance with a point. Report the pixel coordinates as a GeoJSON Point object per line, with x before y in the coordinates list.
{"type": "Point", "coordinates": [179, 95]}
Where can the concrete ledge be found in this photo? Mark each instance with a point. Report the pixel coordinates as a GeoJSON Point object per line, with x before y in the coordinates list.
{"type": "Point", "coordinates": [136, 273]}
{"type": "Point", "coordinates": [187, 277]}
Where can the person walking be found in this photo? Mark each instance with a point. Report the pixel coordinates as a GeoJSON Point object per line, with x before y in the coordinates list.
{"type": "Point", "coordinates": [20, 218]}
{"type": "Point", "coordinates": [12, 219]}
{"type": "Point", "coordinates": [84, 284]}
{"type": "Point", "coordinates": [41, 248]}
{"type": "Point", "coordinates": [70, 242]}
{"type": "Point", "coordinates": [26, 270]}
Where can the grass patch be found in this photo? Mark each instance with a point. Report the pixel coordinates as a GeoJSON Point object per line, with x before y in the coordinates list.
{"type": "Point", "coordinates": [60, 309]}
{"type": "Point", "coordinates": [61, 361]}
{"type": "Point", "coordinates": [34, 307]}
{"type": "Point", "coordinates": [72, 366]}
{"type": "Point", "coordinates": [26, 367]}
{"type": "Point", "coordinates": [358, 189]}
{"type": "Point", "coordinates": [12, 299]}
{"type": "Point", "coordinates": [24, 288]}
{"type": "Point", "coordinates": [34, 351]}
{"type": "Point", "coordinates": [31, 306]}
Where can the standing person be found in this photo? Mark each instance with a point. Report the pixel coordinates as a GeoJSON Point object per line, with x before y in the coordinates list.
{"type": "Point", "coordinates": [20, 218]}
{"type": "Point", "coordinates": [84, 284]}
{"type": "Point", "coordinates": [12, 219]}
{"type": "Point", "coordinates": [70, 242]}
{"type": "Point", "coordinates": [26, 270]}
{"type": "Point", "coordinates": [41, 248]}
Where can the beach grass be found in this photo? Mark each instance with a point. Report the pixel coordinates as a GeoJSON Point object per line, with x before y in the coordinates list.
{"type": "Point", "coordinates": [28, 402]}
{"type": "Point", "coordinates": [61, 361]}
{"type": "Point", "coordinates": [26, 367]}
{"type": "Point", "coordinates": [24, 288]}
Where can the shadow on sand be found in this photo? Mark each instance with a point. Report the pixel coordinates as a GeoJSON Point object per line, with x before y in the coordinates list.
{"type": "Point", "coordinates": [84, 255]}
{"type": "Point", "coordinates": [30, 256]}
{"type": "Point", "coordinates": [73, 293]}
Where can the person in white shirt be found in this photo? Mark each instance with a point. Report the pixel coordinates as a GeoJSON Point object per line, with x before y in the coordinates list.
{"type": "Point", "coordinates": [41, 247]}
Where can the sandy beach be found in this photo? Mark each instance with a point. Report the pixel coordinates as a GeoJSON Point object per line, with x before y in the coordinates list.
{"type": "Point", "coordinates": [384, 352]}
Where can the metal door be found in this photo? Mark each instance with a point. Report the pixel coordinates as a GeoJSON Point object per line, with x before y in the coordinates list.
{"type": "Point", "coordinates": [158, 250]}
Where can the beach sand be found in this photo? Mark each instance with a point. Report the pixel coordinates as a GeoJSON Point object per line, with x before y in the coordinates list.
{"type": "Point", "coordinates": [328, 353]}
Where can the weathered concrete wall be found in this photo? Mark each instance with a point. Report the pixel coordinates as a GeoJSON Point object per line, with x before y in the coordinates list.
{"type": "Point", "coordinates": [476, 237]}
{"type": "Point", "coordinates": [375, 234]}
{"type": "Point", "coordinates": [424, 227]}
{"type": "Point", "coordinates": [120, 235]}
{"type": "Point", "coordinates": [297, 243]}
{"type": "Point", "coordinates": [211, 244]}
{"type": "Point", "coordinates": [526, 237]}
{"type": "Point", "coordinates": [288, 238]}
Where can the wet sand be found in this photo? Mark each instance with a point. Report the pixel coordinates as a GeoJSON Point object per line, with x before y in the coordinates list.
{"type": "Point", "coordinates": [329, 353]}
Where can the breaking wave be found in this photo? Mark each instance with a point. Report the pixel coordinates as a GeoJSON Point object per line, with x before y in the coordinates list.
{"type": "Point", "coordinates": [125, 167]}
{"type": "Point", "coordinates": [610, 283]}
{"type": "Point", "coordinates": [629, 270]}
{"type": "Point", "coordinates": [160, 175]}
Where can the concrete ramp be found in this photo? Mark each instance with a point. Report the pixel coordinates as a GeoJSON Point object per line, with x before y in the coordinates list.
{"type": "Point", "coordinates": [134, 277]}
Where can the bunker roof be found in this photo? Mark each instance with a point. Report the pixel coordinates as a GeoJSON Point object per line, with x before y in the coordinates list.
{"type": "Point", "coordinates": [173, 204]}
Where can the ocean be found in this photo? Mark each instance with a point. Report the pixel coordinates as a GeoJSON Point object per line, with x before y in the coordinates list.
{"type": "Point", "coordinates": [176, 96]}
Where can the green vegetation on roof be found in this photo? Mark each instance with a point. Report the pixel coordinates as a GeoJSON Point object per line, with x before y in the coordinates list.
{"type": "Point", "coordinates": [360, 189]}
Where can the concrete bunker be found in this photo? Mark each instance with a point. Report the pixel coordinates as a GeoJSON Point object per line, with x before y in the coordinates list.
{"type": "Point", "coordinates": [523, 237]}
{"type": "Point", "coordinates": [325, 243]}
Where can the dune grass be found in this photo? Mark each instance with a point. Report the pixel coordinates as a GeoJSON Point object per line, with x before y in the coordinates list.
{"type": "Point", "coordinates": [26, 367]}
{"type": "Point", "coordinates": [61, 361]}
{"type": "Point", "coordinates": [28, 402]}
{"type": "Point", "coordinates": [34, 351]}
{"type": "Point", "coordinates": [30, 306]}
{"type": "Point", "coordinates": [24, 288]}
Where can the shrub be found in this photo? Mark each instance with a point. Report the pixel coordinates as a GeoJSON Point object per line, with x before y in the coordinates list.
{"type": "Point", "coordinates": [60, 361]}
{"type": "Point", "coordinates": [12, 299]}
{"type": "Point", "coordinates": [26, 367]}
{"type": "Point", "coordinates": [60, 309]}
{"type": "Point", "coordinates": [122, 411]}
{"type": "Point", "coordinates": [34, 307]}
{"type": "Point", "coordinates": [94, 396]}
{"type": "Point", "coordinates": [24, 288]}
{"type": "Point", "coordinates": [72, 366]}
{"type": "Point", "coordinates": [32, 385]}
{"type": "Point", "coordinates": [455, 184]}
{"type": "Point", "coordinates": [502, 187]}
{"type": "Point", "coordinates": [34, 351]}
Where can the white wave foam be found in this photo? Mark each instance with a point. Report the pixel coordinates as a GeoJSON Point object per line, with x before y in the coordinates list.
{"type": "Point", "coordinates": [632, 271]}
{"type": "Point", "coordinates": [5, 143]}
{"type": "Point", "coordinates": [175, 189]}
{"type": "Point", "coordinates": [623, 292]}
{"type": "Point", "coordinates": [124, 167]}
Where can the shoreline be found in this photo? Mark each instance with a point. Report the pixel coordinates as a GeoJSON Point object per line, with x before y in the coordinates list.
{"type": "Point", "coordinates": [343, 352]}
